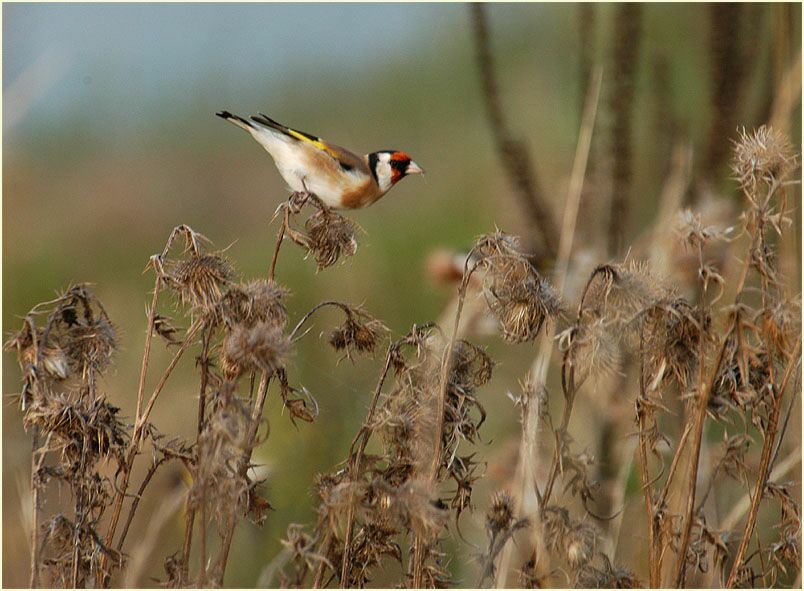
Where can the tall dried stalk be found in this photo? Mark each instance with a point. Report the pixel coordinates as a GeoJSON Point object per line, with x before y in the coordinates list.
{"type": "Point", "coordinates": [514, 154]}
{"type": "Point", "coordinates": [625, 64]}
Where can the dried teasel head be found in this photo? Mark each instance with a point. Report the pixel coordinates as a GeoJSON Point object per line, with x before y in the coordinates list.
{"type": "Point", "coordinates": [764, 156]}
{"type": "Point", "coordinates": [329, 236]}
{"type": "Point", "coordinates": [359, 332]}
{"type": "Point", "coordinates": [516, 294]}
{"type": "Point", "coordinates": [263, 346]}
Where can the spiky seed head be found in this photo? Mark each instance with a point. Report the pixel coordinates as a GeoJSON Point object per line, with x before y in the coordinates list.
{"type": "Point", "coordinates": [330, 236]}
{"type": "Point", "coordinates": [199, 280]}
{"type": "Point", "coordinates": [764, 156]}
{"type": "Point", "coordinates": [262, 346]}
{"type": "Point", "coordinates": [255, 301]}
{"type": "Point", "coordinates": [471, 366]}
{"type": "Point", "coordinates": [359, 331]}
{"type": "Point", "coordinates": [91, 345]}
{"type": "Point", "coordinates": [517, 295]}
{"type": "Point", "coordinates": [500, 514]}
{"type": "Point", "coordinates": [579, 544]}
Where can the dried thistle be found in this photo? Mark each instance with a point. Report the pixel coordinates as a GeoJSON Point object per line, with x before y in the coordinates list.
{"type": "Point", "coordinates": [516, 294]}
{"type": "Point", "coordinates": [359, 332]}
{"type": "Point", "coordinates": [199, 280]}
{"type": "Point", "coordinates": [764, 156]}
{"type": "Point", "coordinates": [260, 300]}
{"type": "Point", "coordinates": [500, 514]}
{"type": "Point", "coordinates": [262, 346]}
{"type": "Point", "coordinates": [329, 236]}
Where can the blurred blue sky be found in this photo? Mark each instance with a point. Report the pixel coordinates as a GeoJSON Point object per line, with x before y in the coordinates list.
{"type": "Point", "coordinates": [67, 55]}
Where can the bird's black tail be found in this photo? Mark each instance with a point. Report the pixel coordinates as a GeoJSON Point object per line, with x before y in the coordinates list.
{"type": "Point", "coordinates": [236, 119]}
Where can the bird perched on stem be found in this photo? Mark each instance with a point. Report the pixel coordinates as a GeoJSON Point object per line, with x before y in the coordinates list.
{"type": "Point", "coordinates": [339, 178]}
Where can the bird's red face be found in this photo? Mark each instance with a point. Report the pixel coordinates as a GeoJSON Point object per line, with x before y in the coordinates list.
{"type": "Point", "coordinates": [401, 166]}
{"type": "Point", "coordinates": [391, 166]}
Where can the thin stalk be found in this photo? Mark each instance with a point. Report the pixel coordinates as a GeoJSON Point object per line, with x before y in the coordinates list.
{"type": "Point", "coordinates": [133, 447]}
{"type": "Point", "coordinates": [147, 350]}
{"type": "Point", "coordinates": [697, 430]}
{"type": "Point", "coordinates": [540, 366]}
{"type": "Point", "coordinates": [189, 521]}
{"type": "Point", "coordinates": [135, 503]}
{"type": "Point", "coordinates": [354, 471]}
{"type": "Point", "coordinates": [279, 237]}
{"type": "Point", "coordinates": [764, 468]}
{"type": "Point", "coordinates": [319, 571]}
{"type": "Point", "coordinates": [35, 465]}
{"type": "Point", "coordinates": [647, 490]}
{"type": "Point", "coordinates": [245, 459]}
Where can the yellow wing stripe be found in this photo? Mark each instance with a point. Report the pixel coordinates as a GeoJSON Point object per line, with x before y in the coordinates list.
{"type": "Point", "coordinates": [315, 142]}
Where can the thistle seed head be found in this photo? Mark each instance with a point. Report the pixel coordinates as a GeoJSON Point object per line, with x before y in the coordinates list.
{"type": "Point", "coordinates": [262, 346]}
{"type": "Point", "coordinates": [330, 236]}
{"type": "Point", "coordinates": [359, 332]}
{"type": "Point", "coordinates": [500, 514]}
{"type": "Point", "coordinates": [764, 156]}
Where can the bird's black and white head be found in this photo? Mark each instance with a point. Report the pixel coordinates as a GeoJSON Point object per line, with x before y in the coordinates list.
{"type": "Point", "coordinates": [391, 166]}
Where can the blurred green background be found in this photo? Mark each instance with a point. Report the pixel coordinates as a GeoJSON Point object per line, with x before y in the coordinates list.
{"type": "Point", "coordinates": [110, 140]}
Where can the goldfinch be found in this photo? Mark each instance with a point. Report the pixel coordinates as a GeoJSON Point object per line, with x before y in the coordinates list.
{"type": "Point", "coordinates": [339, 178]}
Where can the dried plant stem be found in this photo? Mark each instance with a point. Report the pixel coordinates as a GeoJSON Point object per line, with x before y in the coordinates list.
{"type": "Point", "coordinates": [443, 383]}
{"type": "Point", "coordinates": [242, 469]}
{"type": "Point", "coordinates": [354, 469]}
{"type": "Point", "coordinates": [654, 567]}
{"type": "Point", "coordinates": [627, 32]}
{"type": "Point", "coordinates": [146, 355]}
{"type": "Point", "coordinates": [133, 447]}
{"type": "Point", "coordinates": [764, 467]}
{"type": "Point", "coordinates": [788, 463]}
{"type": "Point", "coordinates": [36, 464]}
{"type": "Point", "coordinates": [279, 237]}
{"type": "Point", "coordinates": [696, 428]}
{"type": "Point", "coordinates": [526, 480]}
{"type": "Point", "coordinates": [319, 571]}
{"type": "Point", "coordinates": [514, 154]}
{"type": "Point", "coordinates": [190, 516]}
{"type": "Point", "coordinates": [135, 503]}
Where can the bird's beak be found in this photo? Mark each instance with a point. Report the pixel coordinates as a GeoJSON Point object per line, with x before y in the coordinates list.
{"type": "Point", "coordinates": [414, 168]}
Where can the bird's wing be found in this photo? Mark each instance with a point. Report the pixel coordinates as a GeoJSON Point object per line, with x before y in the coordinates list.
{"type": "Point", "coordinates": [345, 159]}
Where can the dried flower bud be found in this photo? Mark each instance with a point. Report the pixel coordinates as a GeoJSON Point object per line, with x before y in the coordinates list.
{"type": "Point", "coordinates": [359, 331]}
{"type": "Point", "coordinates": [692, 231]}
{"type": "Point", "coordinates": [91, 343]}
{"type": "Point", "coordinates": [500, 515]}
{"type": "Point", "coordinates": [471, 366]}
